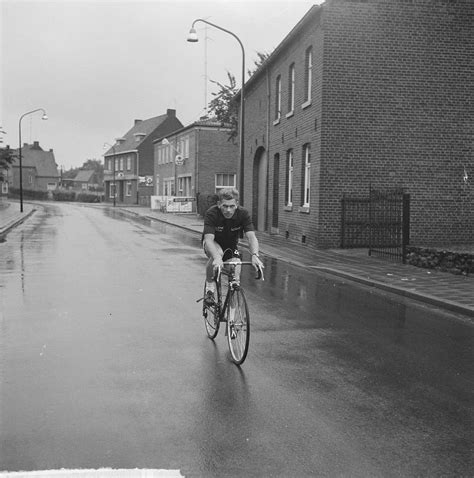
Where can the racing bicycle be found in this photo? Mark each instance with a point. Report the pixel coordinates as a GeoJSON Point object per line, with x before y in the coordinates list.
{"type": "Point", "coordinates": [230, 307]}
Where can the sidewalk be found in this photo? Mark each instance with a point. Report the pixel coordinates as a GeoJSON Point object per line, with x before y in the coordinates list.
{"type": "Point", "coordinates": [10, 216]}
{"type": "Point", "coordinates": [442, 289]}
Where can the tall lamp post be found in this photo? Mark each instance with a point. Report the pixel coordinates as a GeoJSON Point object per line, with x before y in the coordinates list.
{"type": "Point", "coordinates": [44, 117]}
{"type": "Point", "coordinates": [192, 37]}
{"type": "Point", "coordinates": [113, 169]}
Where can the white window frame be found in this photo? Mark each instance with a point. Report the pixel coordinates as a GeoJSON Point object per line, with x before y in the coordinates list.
{"type": "Point", "coordinates": [277, 99]}
{"type": "Point", "coordinates": [307, 175]}
{"type": "Point", "coordinates": [308, 76]}
{"type": "Point", "coordinates": [184, 185]}
{"type": "Point", "coordinates": [121, 164]}
{"type": "Point", "coordinates": [291, 90]}
{"type": "Point", "coordinates": [231, 179]}
{"type": "Point", "coordinates": [290, 164]}
{"type": "Point", "coordinates": [128, 188]}
{"type": "Point", "coordinates": [129, 163]}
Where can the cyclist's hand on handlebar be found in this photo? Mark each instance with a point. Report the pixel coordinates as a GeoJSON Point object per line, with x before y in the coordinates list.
{"type": "Point", "coordinates": [258, 266]}
{"type": "Point", "coordinates": [217, 264]}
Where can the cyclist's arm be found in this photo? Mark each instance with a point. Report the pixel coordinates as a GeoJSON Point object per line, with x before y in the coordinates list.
{"type": "Point", "coordinates": [253, 246]}
{"type": "Point", "coordinates": [212, 250]}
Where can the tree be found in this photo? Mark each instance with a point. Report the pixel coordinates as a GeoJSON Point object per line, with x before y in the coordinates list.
{"type": "Point", "coordinates": [224, 106]}
{"type": "Point", "coordinates": [262, 57]}
{"type": "Point", "coordinates": [7, 157]}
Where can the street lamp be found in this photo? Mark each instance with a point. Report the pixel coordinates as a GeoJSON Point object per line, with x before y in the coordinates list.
{"type": "Point", "coordinates": [113, 162]}
{"type": "Point", "coordinates": [192, 37]}
{"type": "Point", "coordinates": [44, 117]}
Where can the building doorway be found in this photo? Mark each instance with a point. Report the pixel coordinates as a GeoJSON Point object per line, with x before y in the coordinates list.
{"type": "Point", "coordinates": [260, 182]}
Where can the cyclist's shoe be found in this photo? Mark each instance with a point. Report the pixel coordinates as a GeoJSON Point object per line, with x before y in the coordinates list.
{"type": "Point", "coordinates": [209, 299]}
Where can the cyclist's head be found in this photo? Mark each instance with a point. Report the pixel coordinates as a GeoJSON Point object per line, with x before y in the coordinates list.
{"type": "Point", "coordinates": [228, 202]}
{"type": "Point", "coordinates": [228, 193]}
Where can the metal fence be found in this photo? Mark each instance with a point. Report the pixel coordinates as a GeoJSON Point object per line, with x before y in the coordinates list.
{"type": "Point", "coordinates": [380, 222]}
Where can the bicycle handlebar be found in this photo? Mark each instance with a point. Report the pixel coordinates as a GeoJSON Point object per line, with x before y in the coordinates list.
{"type": "Point", "coordinates": [259, 275]}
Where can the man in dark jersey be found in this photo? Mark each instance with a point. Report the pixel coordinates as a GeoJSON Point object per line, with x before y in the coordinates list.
{"type": "Point", "coordinates": [224, 224]}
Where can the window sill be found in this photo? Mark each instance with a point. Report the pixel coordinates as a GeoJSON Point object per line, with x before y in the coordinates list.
{"type": "Point", "coordinates": [277, 121]}
{"type": "Point", "coordinates": [304, 209]}
{"type": "Point", "coordinates": [288, 208]}
{"type": "Point", "coordinates": [306, 104]}
{"type": "Point", "coordinates": [290, 114]}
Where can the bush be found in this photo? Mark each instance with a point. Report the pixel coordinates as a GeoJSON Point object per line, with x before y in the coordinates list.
{"type": "Point", "coordinates": [446, 261]}
{"type": "Point", "coordinates": [64, 195]}
{"type": "Point", "coordinates": [86, 197]}
{"type": "Point", "coordinates": [28, 194]}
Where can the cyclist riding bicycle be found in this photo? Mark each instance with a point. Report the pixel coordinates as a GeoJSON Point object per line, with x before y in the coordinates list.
{"type": "Point", "coordinates": [224, 224]}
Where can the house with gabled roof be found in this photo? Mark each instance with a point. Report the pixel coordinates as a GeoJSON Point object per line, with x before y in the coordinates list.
{"type": "Point", "coordinates": [87, 180]}
{"type": "Point", "coordinates": [39, 169]}
{"type": "Point", "coordinates": [128, 164]}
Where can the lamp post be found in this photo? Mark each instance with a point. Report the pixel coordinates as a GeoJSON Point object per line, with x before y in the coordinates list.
{"type": "Point", "coordinates": [113, 162]}
{"type": "Point", "coordinates": [192, 37]}
{"type": "Point", "coordinates": [44, 117]}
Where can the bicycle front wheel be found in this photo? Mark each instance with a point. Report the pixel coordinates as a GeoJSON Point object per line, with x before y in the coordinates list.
{"type": "Point", "coordinates": [238, 326]}
{"type": "Point", "coordinates": [211, 316]}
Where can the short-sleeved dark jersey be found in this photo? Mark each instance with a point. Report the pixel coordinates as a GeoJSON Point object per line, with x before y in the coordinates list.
{"type": "Point", "coordinates": [227, 231]}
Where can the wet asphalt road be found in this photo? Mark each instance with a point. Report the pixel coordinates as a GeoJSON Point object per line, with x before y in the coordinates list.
{"type": "Point", "coordinates": [104, 363]}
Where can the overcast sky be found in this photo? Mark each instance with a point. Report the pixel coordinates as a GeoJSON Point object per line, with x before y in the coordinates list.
{"type": "Point", "coordinates": [96, 66]}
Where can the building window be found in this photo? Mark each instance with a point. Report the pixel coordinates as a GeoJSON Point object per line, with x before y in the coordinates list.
{"type": "Point", "coordinates": [129, 163]}
{"type": "Point", "coordinates": [306, 175]}
{"type": "Point", "coordinates": [278, 98]}
{"type": "Point", "coordinates": [112, 190]}
{"type": "Point", "coordinates": [168, 187]}
{"type": "Point", "coordinates": [111, 166]}
{"type": "Point", "coordinates": [116, 164]}
{"type": "Point", "coordinates": [291, 88]}
{"type": "Point", "coordinates": [308, 74]}
{"type": "Point", "coordinates": [289, 178]}
{"type": "Point", "coordinates": [128, 188]}
{"type": "Point", "coordinates": [224, 180]}
{"type": "Point", "coordinates": [121, 164]}
{"type": "Point", "coordinates": [184, 186]}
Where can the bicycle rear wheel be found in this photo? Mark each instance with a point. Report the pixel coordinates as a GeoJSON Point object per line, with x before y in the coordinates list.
{"type": "Point", "coordinates": [210, 314]}
{"type": "Point", "coordinates": [238, 326]}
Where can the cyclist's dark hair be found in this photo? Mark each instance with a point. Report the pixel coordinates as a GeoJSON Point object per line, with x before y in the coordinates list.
{"type": "Point", "coordinates": [227, 194]}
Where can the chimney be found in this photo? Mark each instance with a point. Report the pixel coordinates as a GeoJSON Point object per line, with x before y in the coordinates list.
{"type": "Point", "coordinates": [171, 113]}
{"type": "Point", "coordinates": [35, 145]}
{"type": "Point", "coordinates": [50, 150]}
{"type": "Point", "coordinates": [137, 121]}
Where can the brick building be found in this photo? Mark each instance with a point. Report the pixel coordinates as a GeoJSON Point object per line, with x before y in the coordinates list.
{"type": "Point", "coordinates": [365, 93]}
{"type": "Point", "coordinates": [207, 162]}
{"type": "Point", "coordinates": [128, 164]}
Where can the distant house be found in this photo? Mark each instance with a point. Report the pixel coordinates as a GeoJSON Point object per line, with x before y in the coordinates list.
{"type": "Point", "coordinates": [128, 164]}
{"type": "Point", "coordinates": [194, 162]}
{"type": "Point", "coordinates": [86, 180]}
{"type": "Point", "coordinates": [39, 169]}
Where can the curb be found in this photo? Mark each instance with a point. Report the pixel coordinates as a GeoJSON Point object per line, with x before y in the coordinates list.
{"type": "Point", "coordinates": [15, 222]}
{"type": "Point", "coordinates": [443, 304]}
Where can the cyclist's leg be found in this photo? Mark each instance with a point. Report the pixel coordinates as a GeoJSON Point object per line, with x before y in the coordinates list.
{"type": "Point", "coordinates": [234, 256]}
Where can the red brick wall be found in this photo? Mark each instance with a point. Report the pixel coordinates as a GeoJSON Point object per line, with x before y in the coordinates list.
{"type": "Point", "coordinates": [392, 106]}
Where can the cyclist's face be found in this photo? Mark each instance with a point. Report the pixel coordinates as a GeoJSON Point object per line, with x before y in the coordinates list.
{"type": "Point", "coordinates": [228, 207]}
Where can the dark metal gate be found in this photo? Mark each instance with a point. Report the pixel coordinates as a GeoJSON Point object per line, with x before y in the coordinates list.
{"type": "Point", "coordinates": [389, 217]}
{"type": "Point", "coordinates": [380, 222]}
